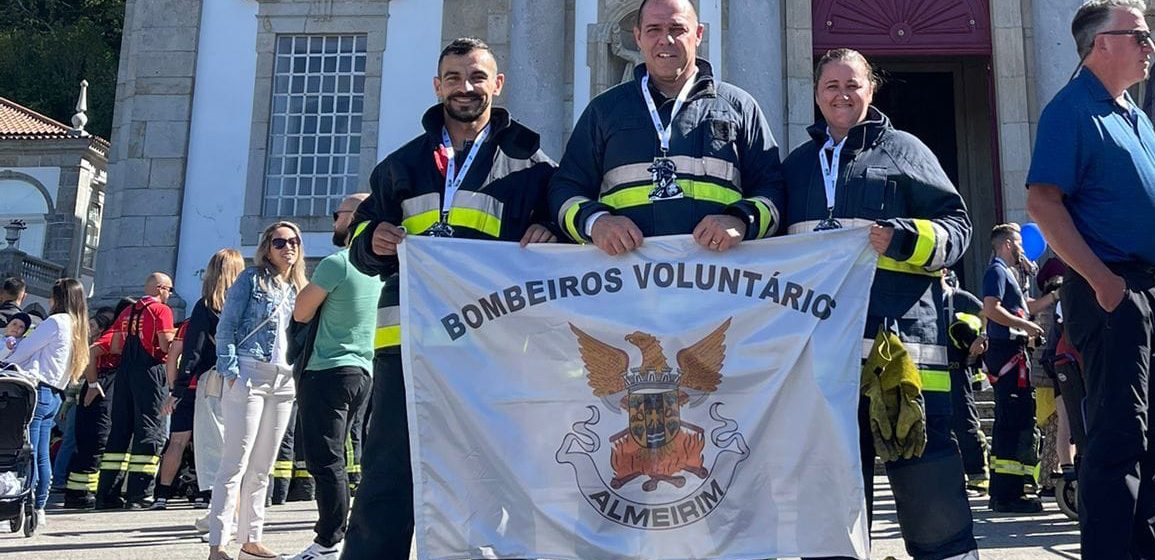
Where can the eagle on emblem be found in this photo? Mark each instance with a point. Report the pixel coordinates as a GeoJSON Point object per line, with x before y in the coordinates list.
{"type": "Point", "coordinates": [657, 444]}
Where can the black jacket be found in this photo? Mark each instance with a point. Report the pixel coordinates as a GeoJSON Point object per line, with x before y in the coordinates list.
{"type": "Point", "coordinates": [200, 348]}
{"type": "Point", "coordinates": [507, 184]}
{"type": "Point", "coordinates": [889, 176]}
{"type": "Point", "coordinates": [503, 194]}
{"type": "Point", "coordinates": [726, 157]}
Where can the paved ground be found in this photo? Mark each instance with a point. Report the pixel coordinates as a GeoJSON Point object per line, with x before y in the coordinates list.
{"type": "Point", "coordinates": [169, 535]}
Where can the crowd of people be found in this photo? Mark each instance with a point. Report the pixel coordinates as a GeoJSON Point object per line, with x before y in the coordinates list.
{"type": "Point", "coordinates": [271, 362]}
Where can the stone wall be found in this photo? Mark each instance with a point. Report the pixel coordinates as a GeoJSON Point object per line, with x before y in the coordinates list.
{"type": "Point", "coordinates": [488, 20]}
{"type": "Point", "coordinates": [149, 143]}
{"type": "Point", "coordinates": [799, 36]}
{"type": "Point", "coordinates": [1011, 106]}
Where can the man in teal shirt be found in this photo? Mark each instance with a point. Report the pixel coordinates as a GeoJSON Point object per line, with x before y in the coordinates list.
{"type": "Point", "coordinates": [335, 383]}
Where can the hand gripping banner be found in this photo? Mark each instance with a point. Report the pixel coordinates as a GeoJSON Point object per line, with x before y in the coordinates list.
{"type": "Point", "coordinates": [672, 403]}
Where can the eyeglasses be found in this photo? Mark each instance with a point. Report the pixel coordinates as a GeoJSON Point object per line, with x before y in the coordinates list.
{"type": "Point", "coordinates": [337, 214]}
{"type": "Point", "coordinates": [1142, 36]}
{"type": "Point", "coordinates": [280, 242]}
{"type": "Point", "coordinates": [165, 288]}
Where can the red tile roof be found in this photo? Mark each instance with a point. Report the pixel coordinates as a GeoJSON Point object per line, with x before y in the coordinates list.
{"type": "Point", "coordinates": [21, 123]}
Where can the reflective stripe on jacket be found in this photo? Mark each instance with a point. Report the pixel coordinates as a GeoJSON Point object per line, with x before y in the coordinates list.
{"type": "Point", "coordinates": [501, 196]}
{"type": "Point", "coordinates": [889, 176]}
{"type": "Point", "coordinates": [725, 156]}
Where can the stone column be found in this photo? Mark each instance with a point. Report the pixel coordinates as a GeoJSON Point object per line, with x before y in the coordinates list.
{"type": "Point", "coordinates": [535, 81]}
{"type": "Point", "coordinates": [753, 54]}
{"type": "Point", "coordinates": [1053, 47]}
{"type": "Point", "coordinates": [1012, 104]}
{"type": "Point", "coordinates": [799, 67]}
{"type": "Point", "coordinates": [149, 144]}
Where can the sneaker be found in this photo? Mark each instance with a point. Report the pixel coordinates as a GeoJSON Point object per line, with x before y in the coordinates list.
{"type": "Point", "coordinates": [1047, 492]}
{"type": "Point", "coordinates": [41, 518]}
{"type": "Point", "coordinates": [138, 504]}
{"type": "Point", "coordinates": [202, 524]}
{"type": "Point", "coordinates": [977, 488]}
{"type": "Point", "coordinates": [1018, 505]}
{"type": "Point", "coordinates": [318, 551]}
{"type": "Point", "coordinates": [202, 500]}
{"type": "Point", "coordinates": [160, 504]}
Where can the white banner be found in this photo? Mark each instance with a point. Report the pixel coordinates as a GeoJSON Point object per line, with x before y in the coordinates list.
{"type": "Point", "coordinates": [673, 403]}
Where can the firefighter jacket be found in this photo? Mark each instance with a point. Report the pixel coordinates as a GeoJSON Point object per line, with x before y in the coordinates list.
{"type": "Point", "coordinates": [502, 194]}
{"type": "Point", "coordinates": [726, 161]}
{"type": "Point", "coordinates": [964, 325]}
{"type": "Point", "coordinates": [890, 177]}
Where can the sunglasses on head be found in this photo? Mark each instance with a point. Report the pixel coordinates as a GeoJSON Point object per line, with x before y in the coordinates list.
{"type": "Point", "coordinates": [281, 242]}
{"type": "Point", "coordinates": [337, 214]}
{"type": "Point", "coordinates": [1142, 36]}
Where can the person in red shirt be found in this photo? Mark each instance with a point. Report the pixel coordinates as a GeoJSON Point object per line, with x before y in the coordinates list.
{"type": "Point", "coordinates": [144, 333]}
{"type": "Point", "coordinates": [93, 417]}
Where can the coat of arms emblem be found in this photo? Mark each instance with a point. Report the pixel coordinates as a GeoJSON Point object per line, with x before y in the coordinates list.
{"type": "Point", "coordinates": [660, 457]}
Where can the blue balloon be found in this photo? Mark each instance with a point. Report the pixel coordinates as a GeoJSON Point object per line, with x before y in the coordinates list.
{"type": "Point", "coordinates": [1033, 243]}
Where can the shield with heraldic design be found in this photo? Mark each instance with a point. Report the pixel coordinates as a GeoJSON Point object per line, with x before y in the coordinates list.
{"type": "Point", "coordinates": [664, 469]}
{"type": "Point", "coordinates": [654, 416]}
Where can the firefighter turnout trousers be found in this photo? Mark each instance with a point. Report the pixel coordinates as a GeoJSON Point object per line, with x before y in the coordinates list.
{"type": "Point", "coordinates": [933, 482]}
{"type": "Point", "coordinates": [354, 446]}
{"type": "Point", "coordinates": [138, 433]}
{"type": "Point", "coordinates": [136, 437]}
{"type": "Point", "coordinates": [381, 523]}
{"type": "Point", "coordinates": [967, 427]}
{"type": "Point", "coordinates": [93, 424]}
{"type": "Point", "coordinates": [1015, 438]}
{"type": "Point", "coordinates": [291, 479]}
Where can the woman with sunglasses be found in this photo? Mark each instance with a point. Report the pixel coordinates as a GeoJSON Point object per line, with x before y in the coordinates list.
{"type": "Point", "coordinates": [252, 347]}
{"type": "Point", "coordinates": [859, 171]}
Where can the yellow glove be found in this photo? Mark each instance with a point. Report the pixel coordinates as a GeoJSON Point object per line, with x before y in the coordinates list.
{"type": "Point", "coordinates": [881, 424]}
{"type": "Point", "coordinates": [901, 373]}
{"type": "Point", "coordinates": [894, 386]}
{"type": "Point", "coordinates": [911, 428]}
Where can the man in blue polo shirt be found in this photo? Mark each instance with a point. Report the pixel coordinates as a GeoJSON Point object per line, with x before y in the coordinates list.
{"type": "Point", "coordinates": [1092, 191]}
{"type": "Point", "coordinates": [1014, 440]}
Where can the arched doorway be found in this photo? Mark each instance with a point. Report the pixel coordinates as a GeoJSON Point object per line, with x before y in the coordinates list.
{"type": "Point", "coordinates": [25, 199]}
{"type": "Point", "coordinates": [935, 57]}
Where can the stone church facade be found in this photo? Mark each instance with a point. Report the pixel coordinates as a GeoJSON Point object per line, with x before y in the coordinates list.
{"type": "Point", "coordinates": [232, 114]}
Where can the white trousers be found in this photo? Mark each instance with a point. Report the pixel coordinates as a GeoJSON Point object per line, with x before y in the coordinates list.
{"type": "Point", "coordinates": [256, 416]}
{"type": "Point", "coordinates": [208, 435]}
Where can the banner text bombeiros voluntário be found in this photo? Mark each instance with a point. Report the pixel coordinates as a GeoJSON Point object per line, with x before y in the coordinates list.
{"type": "Point", "coordinates": [645, 276]}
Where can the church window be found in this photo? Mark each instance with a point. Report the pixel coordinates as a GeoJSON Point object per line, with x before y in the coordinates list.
{"type": "Point", "coordinates": [314, 144]}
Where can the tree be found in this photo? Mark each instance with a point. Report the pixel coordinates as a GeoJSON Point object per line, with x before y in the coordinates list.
{"type": "Point", "coordinates": [48, 46]}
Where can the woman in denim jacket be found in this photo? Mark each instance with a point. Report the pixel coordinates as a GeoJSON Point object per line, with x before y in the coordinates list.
{"type": "Point", "coordinates": [252, 345]}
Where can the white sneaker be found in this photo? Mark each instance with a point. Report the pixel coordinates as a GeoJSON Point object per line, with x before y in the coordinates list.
{"type": "Point", "coordinates": [317, 551]}
{"type": "Point", "coordinates": [41, 518]}
{"type": "Point", "coordinates": [202, 524]}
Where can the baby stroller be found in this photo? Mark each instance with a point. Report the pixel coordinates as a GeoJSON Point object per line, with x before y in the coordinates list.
{"type": "Point", "coordinates": [1066, 368]}
{"type": "Point", "coordinates": [17, 404]}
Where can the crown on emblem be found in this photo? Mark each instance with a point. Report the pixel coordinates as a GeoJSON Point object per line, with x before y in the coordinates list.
{"type": "Point", "coordinates": [664, 379]}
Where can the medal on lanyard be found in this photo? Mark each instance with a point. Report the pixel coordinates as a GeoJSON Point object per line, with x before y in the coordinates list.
{"type": "Point", "coordinates": [453, 180]}
{"type": "Point", "coordinates": [663, 172]}
{"type": "Point", "coordinates": [830, 181]}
